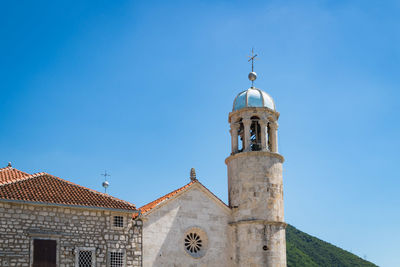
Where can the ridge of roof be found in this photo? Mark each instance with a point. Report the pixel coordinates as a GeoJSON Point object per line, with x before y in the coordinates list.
{"type": "Point", "coordinates": [92, 190]}
{"type": "Point", "coordinates": [8, 167]}
{"type": "Point", "coordinates": [149, 206]}
{"type": "Point", "coordinates": [76, 199]}
{"type": "Point", "coordinates": [29, 176]}
{"type": "Point", "coordinates": [9, 174]}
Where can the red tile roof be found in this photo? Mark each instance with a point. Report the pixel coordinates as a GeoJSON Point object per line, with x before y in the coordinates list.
{"type": "Point", "coordinates": [9, 174]}
{"type": "Point", "coordinates": [155, 203]}
{"type": "Point", "coordinates": [46, 188]}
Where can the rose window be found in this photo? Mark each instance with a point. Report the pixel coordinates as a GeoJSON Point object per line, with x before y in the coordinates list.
{"type": "Point", "coordinates": [193, 243]}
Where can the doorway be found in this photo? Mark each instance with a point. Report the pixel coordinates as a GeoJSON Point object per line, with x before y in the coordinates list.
{"type": "Point", "coordinates": [44, 253]}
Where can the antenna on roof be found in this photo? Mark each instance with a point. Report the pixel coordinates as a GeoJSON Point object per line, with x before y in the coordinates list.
{"type": "Point", "coordinates": [105, 184]}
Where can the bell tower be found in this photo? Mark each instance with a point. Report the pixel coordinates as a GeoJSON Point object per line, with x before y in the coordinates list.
{"type": "Point", "coordinates": [255, 180]}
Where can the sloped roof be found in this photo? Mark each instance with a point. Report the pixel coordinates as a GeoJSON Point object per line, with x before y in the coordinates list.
{"type": "Point", "coordinates": [9, 174]}
{"type": "Point", "coordinates": [148, 207]}
{"type": "Point", "coordinates": [49, 189]}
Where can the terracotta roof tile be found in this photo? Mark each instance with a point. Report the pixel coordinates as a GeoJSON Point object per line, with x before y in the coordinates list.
{"type": "Point", "coordinates": [154, 203]}
{"type": "Point", "coordinates": [46, 188]}
{"type": "Point", "coordinates": [9, 174]}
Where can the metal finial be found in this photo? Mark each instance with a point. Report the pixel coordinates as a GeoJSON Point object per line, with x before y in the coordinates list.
{"type": "Point", "coordinates": [193, 174]}
{"type": "Point", "coordinates": [252, 75]}
{"type": "Point", "coordinates": [105, 184]}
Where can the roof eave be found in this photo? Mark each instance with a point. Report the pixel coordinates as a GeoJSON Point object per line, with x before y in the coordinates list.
{"type": "Point", "coordinates": [201, 186]}
{"type": "Point", "coordinates": [66, 205]}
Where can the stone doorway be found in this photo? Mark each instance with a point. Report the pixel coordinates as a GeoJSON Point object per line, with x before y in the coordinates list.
{"type": "Point", "coordinates": [44, 253]}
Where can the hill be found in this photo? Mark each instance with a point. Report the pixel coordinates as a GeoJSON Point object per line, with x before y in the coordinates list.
{"type": "Point", "coordinates": [307, 251]}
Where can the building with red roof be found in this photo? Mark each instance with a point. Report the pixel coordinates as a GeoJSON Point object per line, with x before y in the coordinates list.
{"type": "Point", "coordinates": [49, 221]}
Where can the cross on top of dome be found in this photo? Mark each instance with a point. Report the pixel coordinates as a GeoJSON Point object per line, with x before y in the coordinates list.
{"type": "Point", "coordinates": [252, 74]}
{"type": "Point", "coordinates": [253, 97]}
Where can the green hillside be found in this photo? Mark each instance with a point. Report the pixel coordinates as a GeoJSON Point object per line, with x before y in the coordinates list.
{"type": "Point", "coordinates": [306, 250]}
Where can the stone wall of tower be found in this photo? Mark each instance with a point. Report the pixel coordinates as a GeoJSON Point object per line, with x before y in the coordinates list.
{"type": "Point", "coordinates": [250, 240]}
{"type": "Point", "coordinates": [255, 185]}
{"type": "Point", "coordinates": [256, 197]}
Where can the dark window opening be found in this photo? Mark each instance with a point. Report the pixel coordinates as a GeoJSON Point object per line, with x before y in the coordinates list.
{"type": "Point", "coordinates": [193, 243]}
{"type": "Point", "coordinates": [116, 259]}
{"type": "Point", "coordinates": [44, 253]}
{"type": "Point", "coordinates": [269, 138]}
{"type": "Point", "coordinates": [85, 258]}
{"type": "Point", "coordinates": [255, 134]}
{"type": "Point", "coordinates": [240, 136]}
{"type": "Point", "coordinates": [118, 221]}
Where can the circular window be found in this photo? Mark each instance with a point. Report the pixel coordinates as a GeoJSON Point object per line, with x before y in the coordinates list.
{"type": "Point", "coordinates": [195, 242]}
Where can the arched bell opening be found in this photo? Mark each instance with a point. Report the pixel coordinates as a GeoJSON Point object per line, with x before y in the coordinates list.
{"type": "Point", "coordinates": [240, 136]}
{"type": "Point", "coordinates": [269, 137]}
{"type": "Point", "coordinates": [255, 134]}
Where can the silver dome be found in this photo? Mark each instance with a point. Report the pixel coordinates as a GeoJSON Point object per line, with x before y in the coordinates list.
{"type": "Point", "coordinates": [253, 97]}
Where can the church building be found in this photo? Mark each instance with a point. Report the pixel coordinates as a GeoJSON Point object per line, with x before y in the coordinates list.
{"type": "Point", "coordinates": [48, 221]}
{"type": "Point", "coordinates": [192, 227]}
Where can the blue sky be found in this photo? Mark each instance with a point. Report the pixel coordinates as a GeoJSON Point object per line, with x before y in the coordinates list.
{"type": "Point", "coordinates": [143, 89]}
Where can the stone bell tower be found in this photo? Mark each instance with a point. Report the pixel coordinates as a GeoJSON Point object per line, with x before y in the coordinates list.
{"type": "Point", "coordinates": [255, 181]}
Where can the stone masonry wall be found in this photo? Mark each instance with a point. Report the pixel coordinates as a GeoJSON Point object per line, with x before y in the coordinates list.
{"type": "Point", "coordinates": [256, 197]}
{"type": "Point", "coordinates": [260, 244]}
{"type": "Point", "coordinates": [164, 232]}
{"type": "Point", "coordinates": [72, 228]}
{"type": "Point", "coordinates": [255, 186]}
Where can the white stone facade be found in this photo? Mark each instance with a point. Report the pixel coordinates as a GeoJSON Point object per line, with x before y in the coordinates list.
{"type": "Point", "coordinates": [164, 230]}
{"type": "Point", "coordinates": [251, 232]}
{"type": "Point", "coordinates": [72, 228]}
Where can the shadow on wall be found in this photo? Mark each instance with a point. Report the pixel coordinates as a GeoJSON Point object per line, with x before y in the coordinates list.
{"type": "Point", "coordinates": [167, 227]}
